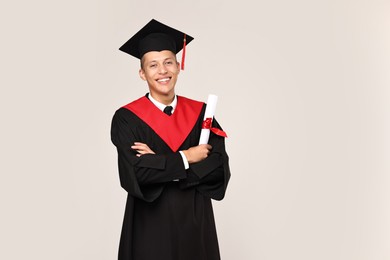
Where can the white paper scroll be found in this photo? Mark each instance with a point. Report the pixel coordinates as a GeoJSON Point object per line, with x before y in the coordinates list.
{"type": "Point", "coordinates": [209, 113]}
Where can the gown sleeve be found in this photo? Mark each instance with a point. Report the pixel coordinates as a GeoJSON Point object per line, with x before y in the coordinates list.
{"type": "Point", "coordinates": [210, 176]}
{"type": "Point", "coordinates": [142, 177]}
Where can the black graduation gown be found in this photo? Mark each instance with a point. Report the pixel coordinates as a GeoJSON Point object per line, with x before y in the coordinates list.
{"type": "Point", "coordinates": [166, 219]}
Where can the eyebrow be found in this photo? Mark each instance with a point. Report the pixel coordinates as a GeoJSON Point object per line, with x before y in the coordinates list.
{"type": "Point", "coordinates": [169, 58]}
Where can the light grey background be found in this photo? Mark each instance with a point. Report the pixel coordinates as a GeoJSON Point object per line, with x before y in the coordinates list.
{"type": "Point", "coordinates": [304, 96]}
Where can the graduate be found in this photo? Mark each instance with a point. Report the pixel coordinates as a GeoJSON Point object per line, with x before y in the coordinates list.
{"type": "Point", "coordinates": [169, 178]}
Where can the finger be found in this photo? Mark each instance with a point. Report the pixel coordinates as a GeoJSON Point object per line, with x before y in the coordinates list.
{"type": "Point", "coordinates": [207, 146]}
{"type": "Point", "coordinates": [145, 151]}
{"type": "Point", "coordinates": [139, 147]}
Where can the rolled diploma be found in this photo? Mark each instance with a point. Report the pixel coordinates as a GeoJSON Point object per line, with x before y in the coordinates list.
{"type": "Point", "coordinates": [210, 112]}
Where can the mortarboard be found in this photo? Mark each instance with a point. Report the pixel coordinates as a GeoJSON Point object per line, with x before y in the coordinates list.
{"type": "Point", "coordinates": [156, 36]}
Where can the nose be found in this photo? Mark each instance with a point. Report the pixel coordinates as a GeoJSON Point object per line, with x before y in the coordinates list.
{"type": "Point", "coordinates": [162, 69]}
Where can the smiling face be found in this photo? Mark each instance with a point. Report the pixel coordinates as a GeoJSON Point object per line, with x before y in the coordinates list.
{"type": "Point", "coordinates": [160, 70]}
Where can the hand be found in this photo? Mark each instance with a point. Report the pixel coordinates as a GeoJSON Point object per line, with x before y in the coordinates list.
{"type": "Point", "coordinates": [197, 153]}
{"type": "Point", "coordinates": [142, 149]}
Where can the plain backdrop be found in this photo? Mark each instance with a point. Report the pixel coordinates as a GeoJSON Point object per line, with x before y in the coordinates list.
{"type": "Point", "coordinates": [303, 92]}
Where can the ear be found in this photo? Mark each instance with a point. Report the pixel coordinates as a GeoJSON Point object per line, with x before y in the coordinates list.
{"type": "Point", "coordinates": [178, 67]}
{"type": "Point", "coordinates": [142, 74]}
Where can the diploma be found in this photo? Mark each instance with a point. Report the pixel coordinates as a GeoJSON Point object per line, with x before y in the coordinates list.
{"type": "Point", "coordinates": [208, 118]}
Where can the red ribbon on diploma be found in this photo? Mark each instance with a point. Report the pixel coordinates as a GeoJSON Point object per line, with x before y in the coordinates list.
{"type": "Point", "coordinates": [207, 125]}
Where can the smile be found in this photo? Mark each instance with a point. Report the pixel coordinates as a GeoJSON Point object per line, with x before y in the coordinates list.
{"type": "Point", "coordinates": [163, 80]}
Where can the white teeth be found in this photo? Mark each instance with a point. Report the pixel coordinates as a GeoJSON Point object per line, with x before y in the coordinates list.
{"type": "Point", "coordinates": [163, 80]}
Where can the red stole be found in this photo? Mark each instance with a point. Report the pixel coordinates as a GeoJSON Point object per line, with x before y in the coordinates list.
{"type": "Point", "coordinates": [173, 129]}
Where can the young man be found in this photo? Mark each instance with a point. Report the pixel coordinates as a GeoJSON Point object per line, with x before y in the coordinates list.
{"type": "Point", "coordinates": [170, 179]}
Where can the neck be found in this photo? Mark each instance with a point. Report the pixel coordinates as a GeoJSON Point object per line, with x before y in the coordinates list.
{"type": "Point", "coordinates": [166, 100]}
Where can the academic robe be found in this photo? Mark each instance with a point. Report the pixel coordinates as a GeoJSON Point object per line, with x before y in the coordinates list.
{"type": "Point", "coordinates": [168, 213]}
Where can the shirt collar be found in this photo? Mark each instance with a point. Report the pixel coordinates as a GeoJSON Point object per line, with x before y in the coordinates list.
{"type": "Point", "coordinates": [161, 106]}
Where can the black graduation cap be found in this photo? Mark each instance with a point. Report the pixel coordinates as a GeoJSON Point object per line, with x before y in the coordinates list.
{"type": "Point", "coordinates": [156, 36]}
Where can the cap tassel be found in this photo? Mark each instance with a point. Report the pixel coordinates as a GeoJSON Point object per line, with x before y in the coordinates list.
{"type": "Point", "coordinates": [183, 56]}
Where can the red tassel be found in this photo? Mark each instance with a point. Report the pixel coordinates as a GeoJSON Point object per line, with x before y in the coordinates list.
{"type": "Point", "coordinates": [183, 55]}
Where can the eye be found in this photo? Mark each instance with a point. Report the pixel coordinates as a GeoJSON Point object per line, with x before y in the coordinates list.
{"type": "Point", "coordinates": [153, 65]}
{"type": "Point", "coordinates": [169, 62]}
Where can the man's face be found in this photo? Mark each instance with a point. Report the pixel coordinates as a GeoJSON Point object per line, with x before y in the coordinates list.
{"type": "Point", "coordinates": [160, 70]}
